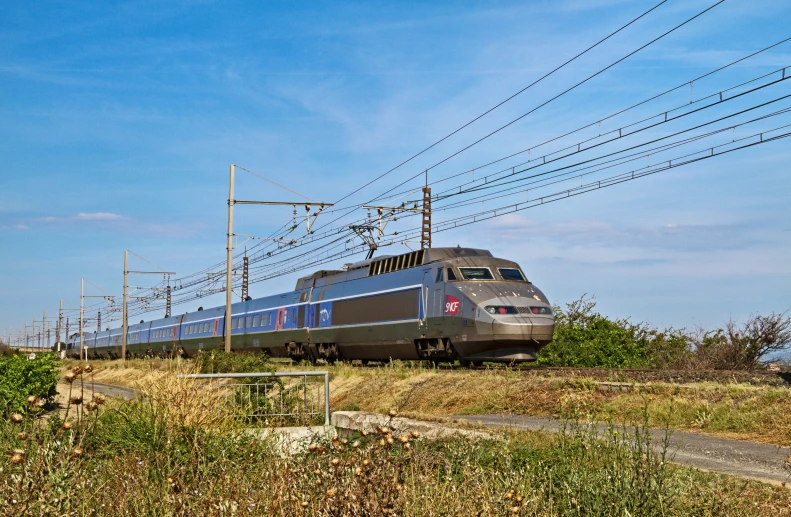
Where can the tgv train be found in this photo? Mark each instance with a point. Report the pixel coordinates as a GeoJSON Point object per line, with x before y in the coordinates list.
{"type": "Point", "coordinates": [441, 304]}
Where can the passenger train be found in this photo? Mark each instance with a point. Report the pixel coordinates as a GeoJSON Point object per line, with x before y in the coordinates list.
{"type": "Point", "coordinates": [440, 304]}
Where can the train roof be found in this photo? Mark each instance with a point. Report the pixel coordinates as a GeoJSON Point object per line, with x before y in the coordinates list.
{"type": "Point", "coordinates": [390, 263]}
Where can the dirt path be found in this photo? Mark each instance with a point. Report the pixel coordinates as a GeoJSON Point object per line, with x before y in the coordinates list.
{"type": "Point", "coordinates": [768, 463]}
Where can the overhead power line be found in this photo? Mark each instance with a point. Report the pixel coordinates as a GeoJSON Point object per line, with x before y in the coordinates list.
{"type": "Point", "coordinates": [502, 102]}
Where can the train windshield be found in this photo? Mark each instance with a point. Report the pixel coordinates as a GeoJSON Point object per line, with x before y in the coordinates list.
{"type": "Point", "coordinates": [476, 273]}
{"type": "Point", "coordinates": [512, 274]}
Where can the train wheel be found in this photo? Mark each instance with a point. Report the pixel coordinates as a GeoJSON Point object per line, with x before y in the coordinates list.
{"type": "Point", "coordinates": [464, 363]}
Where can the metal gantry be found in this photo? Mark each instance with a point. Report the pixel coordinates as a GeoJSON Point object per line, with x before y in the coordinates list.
{"type": "Point", "coordinates": [230, 246]}
{"type": "Point", "coordinates": [124, 309]}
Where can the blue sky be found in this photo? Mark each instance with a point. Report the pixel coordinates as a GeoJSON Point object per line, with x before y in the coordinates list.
{"type": "Point", "coordinates": [119, 121]}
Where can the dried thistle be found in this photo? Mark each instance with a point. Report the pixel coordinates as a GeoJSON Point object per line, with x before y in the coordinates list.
{"type": "Point", "coordinates": [67, 425]}
{"type": "Point", "coordinates": [403, 439]}
{"type": "Point", "coordinates": [32, 400]}
{"type": "Point", "coordinates": [99, 399]}
{"type": "Point", "coordinates": [17, 456]}
{"type": "Point", "coordinates": [356, 443]}
{"type": "Point", "coordinates": [69, 377]}
{"type": "Point", "coordinates": [77, 370]}
{"type": "Point", "coordinates": [331, 492]}
{"type": "Point", "coordinates": [392, 412]}
{"type": "Point", "coordinates": [17, 418]}
{"type": "Point", "coordinates": [76, 400]}
{"type": "Point", "coordinates": [415, 434]}
{"type": "Point", "coordinates": [88, 368]}
{"type": "Point", "coordinates": [22, 436]}
{"type": "Point", "coordinates": [77, 451]}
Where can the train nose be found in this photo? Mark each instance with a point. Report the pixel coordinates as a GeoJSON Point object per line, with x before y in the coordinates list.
{"type": "Point", "coordinates": [516, 319]}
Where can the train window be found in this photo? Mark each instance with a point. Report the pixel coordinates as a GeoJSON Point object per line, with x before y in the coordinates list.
{"type": "Point", "coordinates": [439, 275]}
{"type": "Point", "coordinates": [249, 323]}
{"type": "Point", "coordinates": [476, 273]}
{"type": "Point", "coordinates": [269, 319]}
{"type": "Point", "coordinates": [234, 323]}
{"type": "Point", "coordinates": [256, 320]}
{"type": "Point", "coordinates": [509, 273]}
{"type": "Point", "coordinates": [451, 274]}
{"type": "Point", "coordinates": [206, 327]}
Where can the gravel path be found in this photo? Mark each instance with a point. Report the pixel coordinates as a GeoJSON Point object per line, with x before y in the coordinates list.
{"type": "Point", "coordinates": [112, 390]}
{"type": "Point", "coordinates": [768, 463]}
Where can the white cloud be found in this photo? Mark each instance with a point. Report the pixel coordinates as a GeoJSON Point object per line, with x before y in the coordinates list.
{"type": "Point", "coordinates": [21, 226]}
{"type": "Point", "coordinates": [99, 216]}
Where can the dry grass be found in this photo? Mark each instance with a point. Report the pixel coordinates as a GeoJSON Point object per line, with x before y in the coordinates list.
{"type": "Point", "coordinates": [741, 411]}
{"type": "Point", "coordinates": [155, 457]}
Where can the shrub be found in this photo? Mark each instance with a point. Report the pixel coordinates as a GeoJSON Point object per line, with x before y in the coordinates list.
{"type": "Point", "coordinates": [735, 348]}
{"type": "Point", "coordinates": [585, 338]}
{"type": "Point", "coordinates": [218, 361]}
{"type": "Point", "coordinates": [23, 377]}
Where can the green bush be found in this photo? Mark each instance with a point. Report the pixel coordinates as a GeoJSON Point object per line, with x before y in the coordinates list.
{"type": "Point", "coordinates": [23, 377]}
{"type": "Point", "coordinates": [585, 338]}
{"type": "Point", "coordinates": [219, 362]}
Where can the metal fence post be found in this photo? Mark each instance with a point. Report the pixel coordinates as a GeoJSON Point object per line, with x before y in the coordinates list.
{"type": "Point", "coordinates": [326, 399]}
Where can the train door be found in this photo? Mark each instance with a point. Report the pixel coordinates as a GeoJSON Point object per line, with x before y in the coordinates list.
{"type": "Point", "coordinates": [425, 299]}
{"type": "Point", "coordinates": [438, 300]}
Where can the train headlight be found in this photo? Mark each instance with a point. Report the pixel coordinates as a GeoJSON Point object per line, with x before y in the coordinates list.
{"type": "Point", "coordinates": [501, 309]}
{"type": "Point", "coordinates": [541, 310]}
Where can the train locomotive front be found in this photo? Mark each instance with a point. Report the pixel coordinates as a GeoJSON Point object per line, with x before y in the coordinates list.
{"type": "Point", "coordinates": [483, 308]}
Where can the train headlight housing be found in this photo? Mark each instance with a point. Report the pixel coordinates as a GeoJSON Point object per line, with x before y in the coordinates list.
{"type": "Point", "coordinates": [501, 309]}
{"type": "Point", "coordinates": [541, 310]}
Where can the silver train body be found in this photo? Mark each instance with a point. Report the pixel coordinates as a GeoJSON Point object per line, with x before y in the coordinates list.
{"type": "Point", "coordinates": [441, 304]}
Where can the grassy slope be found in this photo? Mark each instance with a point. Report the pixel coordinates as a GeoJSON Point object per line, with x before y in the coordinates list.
{"type": "Point", "coordinates": [170, 455]}
{"type": "Point", "coordinates": [755, 413]}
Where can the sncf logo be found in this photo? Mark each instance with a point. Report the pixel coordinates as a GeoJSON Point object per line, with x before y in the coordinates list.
{"type": "Point", "coordinates": [451, 305]}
